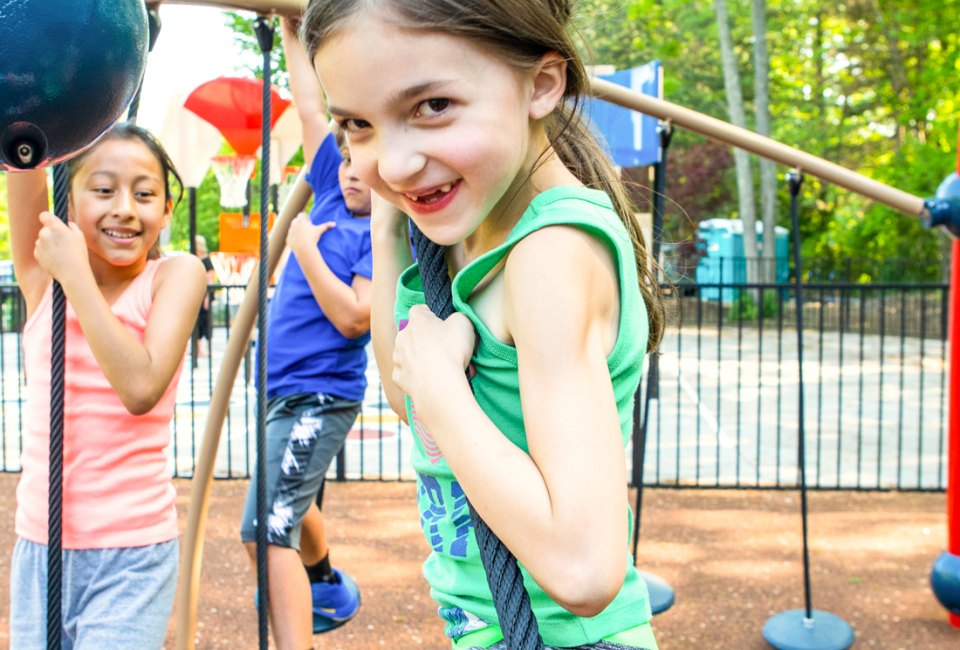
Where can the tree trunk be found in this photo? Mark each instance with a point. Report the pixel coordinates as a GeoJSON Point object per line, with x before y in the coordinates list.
{"type": "Point", "coordinates": [768, 172]}
{"type": "Point", "coordinates": [741, 159]}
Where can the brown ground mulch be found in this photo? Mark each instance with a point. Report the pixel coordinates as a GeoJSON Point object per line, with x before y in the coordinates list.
{"type": "Point", "coordinates": [732, 557]}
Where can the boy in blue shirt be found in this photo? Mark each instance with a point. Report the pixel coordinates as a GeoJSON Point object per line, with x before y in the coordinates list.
{"type": "Point", "coordinates": [319, 325]}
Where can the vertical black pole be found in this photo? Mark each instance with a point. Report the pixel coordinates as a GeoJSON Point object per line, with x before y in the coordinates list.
{"type": "Point", "coordinates": [61, 188]}
{"type": "Point", "coordinates": [264, 30]}
{"type": "Point", "coordinates": [806, 628]}
{"type": "Point", "coordinates": [795, 179]}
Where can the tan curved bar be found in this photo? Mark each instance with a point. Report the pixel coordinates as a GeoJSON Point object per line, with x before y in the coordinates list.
{"type": "Point", "coordinates": [762, 146]}
{"type": "Point", "coordinates": [279, 7]}
{"type": "Point", "coordinates": [191, 548]}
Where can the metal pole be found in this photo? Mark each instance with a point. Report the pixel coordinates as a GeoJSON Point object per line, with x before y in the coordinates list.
{"type": "Point", "coordinates": [760, 145]}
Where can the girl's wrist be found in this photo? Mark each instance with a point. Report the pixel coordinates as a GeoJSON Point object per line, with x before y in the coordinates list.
{"type": "Point", "coordinates": [390, 229]}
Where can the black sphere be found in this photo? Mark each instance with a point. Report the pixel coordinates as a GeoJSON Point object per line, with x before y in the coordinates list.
{"type": "Point", "coordinates": [69, 70]}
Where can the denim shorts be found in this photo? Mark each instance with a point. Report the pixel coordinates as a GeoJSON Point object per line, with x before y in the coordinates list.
{"type": "Point", "coordinates": [304, 432]}
{"type": "Point", "coordinates": [111, 597]}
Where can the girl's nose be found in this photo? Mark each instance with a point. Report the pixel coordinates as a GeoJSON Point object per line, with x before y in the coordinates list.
{"type": "Point", "coordinates": [400, 159]}
{"type": "Point", "coordinates": [124, 203]}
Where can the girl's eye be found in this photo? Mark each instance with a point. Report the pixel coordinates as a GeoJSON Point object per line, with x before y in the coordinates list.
{"type": "Point", "coordinates": [432, 107]}
{"type": "Point", "coordinates": [352, 124]}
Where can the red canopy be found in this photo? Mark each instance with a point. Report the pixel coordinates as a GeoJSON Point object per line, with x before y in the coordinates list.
{"type": "Point", "coordinates": [233, 105]}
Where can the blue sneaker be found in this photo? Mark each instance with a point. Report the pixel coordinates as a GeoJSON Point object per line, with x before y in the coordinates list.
{"type": "Point", "coordinates": [334, 603]}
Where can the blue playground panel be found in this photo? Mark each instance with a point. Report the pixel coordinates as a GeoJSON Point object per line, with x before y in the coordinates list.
{"type": "Point", "coordinates": [630, 137]}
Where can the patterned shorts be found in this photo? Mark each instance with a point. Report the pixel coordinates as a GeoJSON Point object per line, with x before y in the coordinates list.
{"type": "Point", "coordinates": [304, 432]}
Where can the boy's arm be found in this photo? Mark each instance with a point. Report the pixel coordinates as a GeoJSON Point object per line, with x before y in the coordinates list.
{"type": "Point", "coordinates": [27, 198]}
{"type": "Point", "coordinates": [346, 306]}
{"type": "Point", "coordinates": [305, 87]}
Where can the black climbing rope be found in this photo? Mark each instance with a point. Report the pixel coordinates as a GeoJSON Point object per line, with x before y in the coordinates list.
{"type": "Point", "coordinates": [58, 346]}
{"type": "Point", "coordinates": [264, 31]}
{"type": "Point", "coordinates": [510, 598]}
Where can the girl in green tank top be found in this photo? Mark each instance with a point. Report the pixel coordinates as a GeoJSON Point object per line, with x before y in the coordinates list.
{"type": "Point", "coordinates": [464, 117]}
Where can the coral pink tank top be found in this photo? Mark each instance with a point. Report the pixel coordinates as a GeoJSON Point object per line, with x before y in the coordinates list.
{"type": "Point", "coordinates": [116, 476]}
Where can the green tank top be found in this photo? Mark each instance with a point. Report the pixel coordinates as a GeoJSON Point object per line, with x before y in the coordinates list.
{"type": "Point", "coordinates": [454, 569]}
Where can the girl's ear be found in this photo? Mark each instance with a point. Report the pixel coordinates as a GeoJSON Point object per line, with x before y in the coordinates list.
{"type": "Point", "coordinates": [168, 213]}
{"type": "Point", "coordinates": [549, 84]}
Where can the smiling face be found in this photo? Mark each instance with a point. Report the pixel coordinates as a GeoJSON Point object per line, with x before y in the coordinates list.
{"type": "Point", "coordinates": [436, 125]}
{"type": "Point", "coordinates": [118, 201]}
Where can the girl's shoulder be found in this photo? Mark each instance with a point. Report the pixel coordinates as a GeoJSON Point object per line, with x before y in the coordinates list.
{"type": "Point", "coordinates": [186, 269]}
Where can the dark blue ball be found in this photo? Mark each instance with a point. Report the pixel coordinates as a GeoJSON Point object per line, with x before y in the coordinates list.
{"type": "Point", "coordinates": [945, 581]}
{"type": "Point", "coordinates": [70, 69]}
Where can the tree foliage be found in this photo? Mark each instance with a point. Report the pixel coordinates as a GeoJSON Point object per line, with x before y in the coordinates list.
{"type": "Point", "coordinates": [867, 84]}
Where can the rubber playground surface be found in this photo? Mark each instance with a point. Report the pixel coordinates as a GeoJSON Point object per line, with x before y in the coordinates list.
{"type": "Point", "coordinates": [733, 558]}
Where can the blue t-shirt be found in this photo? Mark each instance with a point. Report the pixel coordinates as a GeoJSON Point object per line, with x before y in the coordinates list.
{"type": "Point", "coordinates": [305, 352]}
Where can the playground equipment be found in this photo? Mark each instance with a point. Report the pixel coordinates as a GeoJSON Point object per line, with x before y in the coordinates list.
{"type": "Point", "coordinates": [232, 105]}
{"type": "Point", "coordinates": [37, 137]}
{"type": "Point", "coordinates": [945, 575]}
{"type": "Point", "coordinates": [55, 106]}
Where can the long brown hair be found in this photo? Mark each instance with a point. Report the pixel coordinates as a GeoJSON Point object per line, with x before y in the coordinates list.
{"type": "Point", "coordinates": [521, 32]}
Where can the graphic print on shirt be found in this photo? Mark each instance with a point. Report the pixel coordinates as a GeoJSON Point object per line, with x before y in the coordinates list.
{"type": "Point", "coordinates": [459, 622]}
{"type": "Point", "coordinates": [430, 446]}
{"type": "Point", "coordinates": [296, 456]}
{"type": "Point", "coordinates": [444, 510]}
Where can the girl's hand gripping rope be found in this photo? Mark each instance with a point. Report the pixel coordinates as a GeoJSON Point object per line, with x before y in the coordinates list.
{"type": "Point", "coordinates": [61, 249]}
{"type": "Point", "coordinates": [431, 356]}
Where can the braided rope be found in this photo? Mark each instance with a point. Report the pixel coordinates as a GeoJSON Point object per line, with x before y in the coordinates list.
{"type": "Point", "coordinates": [58, 346]}
{"type": "Point", "coordinates": [510, 598]}
{"type": "Point", "coordinates": [264, 31]}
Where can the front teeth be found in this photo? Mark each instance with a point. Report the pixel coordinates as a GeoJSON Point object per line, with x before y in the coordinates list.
{"type": "Point", "coordinates": [442, 190]}
{"type": "Point", "coordinates": [119, 235]}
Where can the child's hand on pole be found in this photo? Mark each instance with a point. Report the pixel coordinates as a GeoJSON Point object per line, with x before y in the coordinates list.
{"type": "Point", "coordinates": [61, 249]}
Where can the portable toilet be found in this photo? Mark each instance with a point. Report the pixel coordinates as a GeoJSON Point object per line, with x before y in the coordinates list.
{"type": "Point", "coordinates": [724, 264]}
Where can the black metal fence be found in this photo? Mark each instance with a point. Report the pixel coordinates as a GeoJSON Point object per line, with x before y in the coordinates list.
{"type": "Point", "coordinates": [724, 412]}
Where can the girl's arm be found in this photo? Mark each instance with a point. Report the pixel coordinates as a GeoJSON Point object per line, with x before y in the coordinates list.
{"type": "Point", "coordinates": [27, 198]}
{"type": "Point", "coordinates": [347, 306]}
{"type": "Point", "coordinates": [561, 509]}
{"type": "Point", "coordinates": [305, 88]}
{"type": "Point", "coordinates": [391, 256]}
{"type": "Point", "coordinates": [139, 371]}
